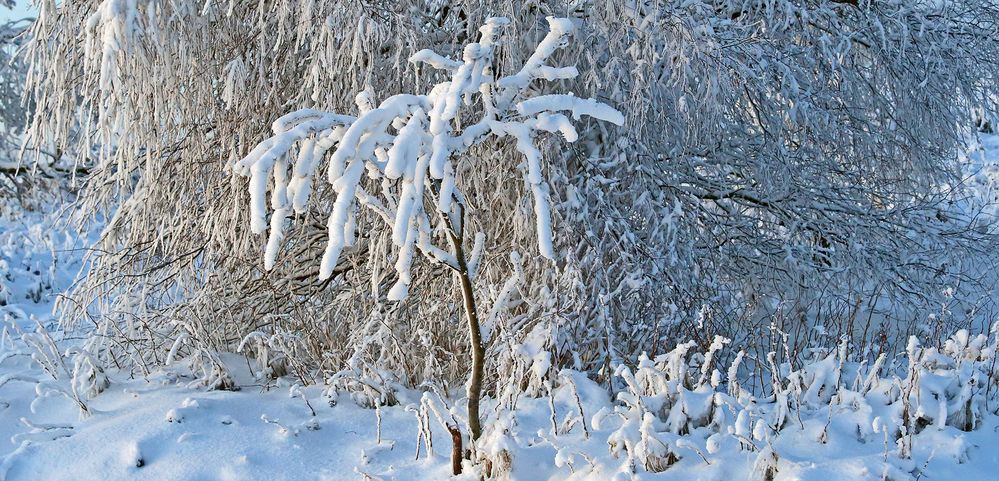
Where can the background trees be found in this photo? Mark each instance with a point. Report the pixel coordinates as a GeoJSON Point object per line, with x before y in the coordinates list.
{"type": "Point", "coordinates": [789, 173]}
{"type": "Point", "coordinates": [14, 187]}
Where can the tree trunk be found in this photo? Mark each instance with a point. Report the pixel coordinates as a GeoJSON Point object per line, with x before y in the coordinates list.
{"type": "Point", "coordinates": [474, 330]}
{"type": "Point", "coordinates": [478, 353]}
{"type": "Point", "coordinates": [456, 449]}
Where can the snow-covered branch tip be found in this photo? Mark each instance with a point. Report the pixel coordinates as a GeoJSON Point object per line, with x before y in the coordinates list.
{"type": "Point", "coordinates": [409, 143]}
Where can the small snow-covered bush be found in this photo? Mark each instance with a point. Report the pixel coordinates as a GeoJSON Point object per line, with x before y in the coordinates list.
{"type": "Point", "coordinates": [406, 148]}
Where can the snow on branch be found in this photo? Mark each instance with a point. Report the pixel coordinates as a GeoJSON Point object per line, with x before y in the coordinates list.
{"type": "Point", "coordinates": [579, 107]}
{"type": "Point", "coordinates": [409, 142]}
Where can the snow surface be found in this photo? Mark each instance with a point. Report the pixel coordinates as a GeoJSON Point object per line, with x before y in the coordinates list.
{"type": "Point", "coordinates": [163, 427]}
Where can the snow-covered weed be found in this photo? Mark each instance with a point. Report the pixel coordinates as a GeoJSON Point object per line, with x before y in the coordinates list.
{"type": "Point", "coordinates": [674, 406]}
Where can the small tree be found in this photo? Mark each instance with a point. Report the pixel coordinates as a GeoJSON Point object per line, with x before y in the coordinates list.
{"type": "Point", "coordinates": [409, 144]}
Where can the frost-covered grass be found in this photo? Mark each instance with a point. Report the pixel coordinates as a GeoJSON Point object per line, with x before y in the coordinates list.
{"type": "Point", "coordinates": [159, 428]}
{"type": "Point", "coordinates": [31, 265]}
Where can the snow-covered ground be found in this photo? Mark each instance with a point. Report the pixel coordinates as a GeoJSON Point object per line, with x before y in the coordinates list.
{"type": "Point", "coordinates": [159, 429]}
{"type": "Point", "coordinates": [672, 417]}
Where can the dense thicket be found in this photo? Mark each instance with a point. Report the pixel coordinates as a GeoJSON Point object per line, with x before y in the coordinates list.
{"type": "Point", "coordinates": [788, 173]}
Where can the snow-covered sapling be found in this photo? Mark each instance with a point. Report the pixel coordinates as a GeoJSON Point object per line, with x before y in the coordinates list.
{"type": "Point", "coordinates": [410, 143]}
